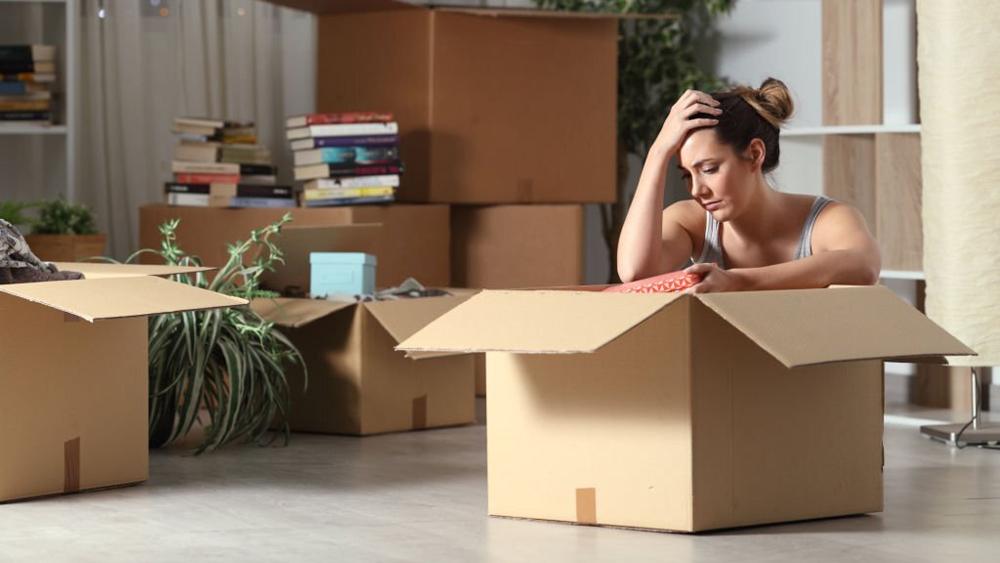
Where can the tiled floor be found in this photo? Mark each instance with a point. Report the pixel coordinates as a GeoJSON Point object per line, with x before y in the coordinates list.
{"type": "Point", "coordinates": [422, 497]}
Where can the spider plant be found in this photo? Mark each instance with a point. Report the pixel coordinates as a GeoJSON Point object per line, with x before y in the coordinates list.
{"type": "Point", "coordinates": [226, 364]}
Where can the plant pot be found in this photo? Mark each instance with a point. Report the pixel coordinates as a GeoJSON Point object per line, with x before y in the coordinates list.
{"type": "Point", "coordinates": [66, 248]}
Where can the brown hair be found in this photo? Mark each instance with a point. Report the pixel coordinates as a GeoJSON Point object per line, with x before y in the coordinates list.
{"type": "Point", "coordinates": [753, 113]}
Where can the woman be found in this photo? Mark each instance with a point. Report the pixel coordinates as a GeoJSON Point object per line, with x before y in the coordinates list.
{"type": "Point", "coordinates": [740, 232]}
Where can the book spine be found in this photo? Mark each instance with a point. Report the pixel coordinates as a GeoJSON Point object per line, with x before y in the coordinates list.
{"type": "Point", "coordinates": [25, 115]}
{"type": "Point", "coordinates": [195, 178]}
{"type": "Point", "coordinates": [348, 117]}
{"type": "Point", "coordinates": [16, 54]}
{"type": "Point", "coordinates": [347, 201]}
{"type": "Point", "coordinates": [253, 190]}
{"type": "Point", "coordinates": [391, 180]}
{"type": "Point", "coordinates": [205, 167]}
{"type": "Point", "coordinates": [16, 67]}
{"type": "Point", "coordinates": [377, 169]}
{"type": "Point", "coordinates": [13, 88]}
{"type": "Point", "coordinates": [24, 105]}
{"type": "Point", "coordinates": [241, 201]}
{"type": "Point", "coordinates": [30, 77]}
{"type": "Point", "coordinates": [369, 140]}
{"type": "Point", "coordinates": [359, 155]}
{"type": "Point", "coordinates": [258, 170]}
{"type": "Point", "coordinates": [189, 200]}
{"type": "Point", "coordinates": [353, 129]}
{"type": "Point", "coordinates": [348, 192]}
{"type": "Point", "coordinates": [181, 188]}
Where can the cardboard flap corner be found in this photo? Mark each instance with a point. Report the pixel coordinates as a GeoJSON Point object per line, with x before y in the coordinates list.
{"type": "Point", "coordinates": [120, 297]}
{"type": "Point", "coordinates": [402, 318]}
{"type": "Point", "coordinates": [294, 313]}
{"type": "Point", "coordinates": [99, 270]}
{"type": "Point", "coordinates": [816, 326]}
{"type": "Point", "coordinates": [536, 322]}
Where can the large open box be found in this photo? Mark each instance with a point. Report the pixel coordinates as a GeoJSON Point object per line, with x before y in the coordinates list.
{"type": "Point", "coordinates": [511, 246]}
{"type": "Point", "coordinates": [414, 241]}
{"type": "Point", "coordinates": [685, 412]}
{"type": "Point", "coordinates": [358, 383]}
{"type": "Point", "coordinates": [494, 106]}
{"type": "Point", "coordinates": [75, 376]}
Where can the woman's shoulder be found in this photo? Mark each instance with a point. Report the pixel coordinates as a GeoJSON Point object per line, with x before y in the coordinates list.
{"type": "Point", "coordinates": [687, 213]}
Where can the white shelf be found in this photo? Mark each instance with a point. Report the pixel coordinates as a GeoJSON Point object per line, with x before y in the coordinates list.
{"type": "Point", "coordinates": [901, 275]}
{"type": "Point", "coordinates": [34, 1]}
{"type": "Point", "coordinates": [32, 129]}
{"type": "Point", "coordinates": [849, 130]}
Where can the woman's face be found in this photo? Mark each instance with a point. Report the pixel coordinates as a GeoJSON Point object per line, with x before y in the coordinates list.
{"type": "Point", "coordinates": [717, 178]}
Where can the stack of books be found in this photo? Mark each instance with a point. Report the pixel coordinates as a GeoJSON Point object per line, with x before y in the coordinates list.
{"type": "Point", "coordinates": [346, 158]}
{"type": "Point", "coordinates": [219, 164]}
{"type": "Point", "coordinates": [26, 76]}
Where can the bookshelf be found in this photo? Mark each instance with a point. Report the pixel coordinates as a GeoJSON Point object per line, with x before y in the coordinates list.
{"type": "Point", "coordinates": [39, 161]}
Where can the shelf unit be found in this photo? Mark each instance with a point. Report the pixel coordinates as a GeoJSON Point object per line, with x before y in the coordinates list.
{"type": "Point", "coordinates": [40, 160]}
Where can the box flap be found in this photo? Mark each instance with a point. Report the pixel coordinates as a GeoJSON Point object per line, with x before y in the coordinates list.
{"type": "Point", "coordinates": [97, 270]}
{"type": "Point", "coordinates": [113, 298]}
{"type": "Point", "coordinates": [402, 318]}
{"type": "Point", "coordinates": [536, 322]}
{"type": "Point", "coordinates": [294, 313]}
{"type": "Point", "coordinates": [815, 326]}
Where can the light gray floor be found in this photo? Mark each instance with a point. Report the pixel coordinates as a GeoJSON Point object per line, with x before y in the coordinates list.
{"type": "Point", "coordinates": [422, 497]}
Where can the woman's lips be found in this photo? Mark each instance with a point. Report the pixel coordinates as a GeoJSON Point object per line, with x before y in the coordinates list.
{"type": "Point", "coordinates": [712, 205]}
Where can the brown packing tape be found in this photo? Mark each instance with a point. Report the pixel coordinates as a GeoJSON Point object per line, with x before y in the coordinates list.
{"type": "Point", "coordinates": [420, 412]}
{"type": "Point", "coordinates": [586, 506]}
{"type": "Point", "coordinates": [71, 462]}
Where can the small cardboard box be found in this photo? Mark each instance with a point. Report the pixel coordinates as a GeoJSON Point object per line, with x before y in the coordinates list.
{"type": "Point", "coordinates": [685, 412]}
{"type": "Point", "coordinates": [75, 376]}
{"type": "Point", "coordinates": [493, 105]}
{"type": "Point", "coordinates": [358, 383]}
{"type": "Point", "coordinates": [515, 246]}
{"type": "Point", "coordinates": [414, 240]}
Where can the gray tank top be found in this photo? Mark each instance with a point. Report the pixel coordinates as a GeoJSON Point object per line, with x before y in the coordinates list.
{"type": "Point", "coordinates": [712, 251]}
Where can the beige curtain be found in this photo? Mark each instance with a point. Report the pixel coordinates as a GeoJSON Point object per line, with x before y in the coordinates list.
{"type": "Point", "coordinates": [147, 61]}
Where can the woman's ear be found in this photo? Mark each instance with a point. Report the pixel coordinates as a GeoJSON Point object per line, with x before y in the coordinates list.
{"type": "Point", "coordinates": [755, 153]}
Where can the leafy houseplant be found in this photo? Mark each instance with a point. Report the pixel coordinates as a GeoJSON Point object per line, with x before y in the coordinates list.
{"type": "Point", "coordinates": [13, 212]}
{"type": "Point", "coordinates": [226, 365]}
{"type": "Point", "coordinates": [656, 63]}
{"type": "Point", "coordinates": [64, 232]}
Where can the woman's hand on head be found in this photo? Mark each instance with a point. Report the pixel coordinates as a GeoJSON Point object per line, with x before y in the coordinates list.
{"type": "Point", "coordinates": [714, 279]}
{"type": "Point", "coordinates": [679, 122]}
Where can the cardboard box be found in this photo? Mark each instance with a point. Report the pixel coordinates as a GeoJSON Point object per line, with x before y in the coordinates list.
{"type": "Point", "coordinates": [685, 412]}
{"type": "Point", "coordinates": [480, 375]}
{"type": "Point", "coordinates": [358, 383]}
{"type": "Point", "coordinates": [493, 106]}
{"type": "Point", "coordinates": [75, 376]}
{"type": "Point", "coordinates": [414, 241]}
{"type": "Point", "coordinates": [512, 246]}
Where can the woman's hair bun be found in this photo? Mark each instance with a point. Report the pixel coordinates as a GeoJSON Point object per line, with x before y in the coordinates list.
{"type": "Point", "coordinates": [774, 101]}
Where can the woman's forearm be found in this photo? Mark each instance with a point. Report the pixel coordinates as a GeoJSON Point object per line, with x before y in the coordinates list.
{"type": "Point", "coordinates": [639, 245]}
{"type": "Point", "coordinates": [847, 267]}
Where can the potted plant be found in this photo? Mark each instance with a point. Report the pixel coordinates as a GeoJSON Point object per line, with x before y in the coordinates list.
{"type": "Point", "coordinates": [218, 376]}
{"type": "Point", "coordinates": [64, 232]}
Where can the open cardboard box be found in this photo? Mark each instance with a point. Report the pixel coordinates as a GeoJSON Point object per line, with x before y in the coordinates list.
{"type": "Point", "coordinates": [685, 412]}
{"type": "Point", "coordinates": [358, 383]}
{"type": "Point", "coordinates": [75, 374]}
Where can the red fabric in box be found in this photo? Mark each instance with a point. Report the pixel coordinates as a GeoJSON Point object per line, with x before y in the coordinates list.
{"type": "Point", "coordinates": [664, 283]}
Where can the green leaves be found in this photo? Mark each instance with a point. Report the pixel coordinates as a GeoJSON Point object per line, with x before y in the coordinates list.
{"type": "Point", "coordinates": [59, 217]}
{"type": "Point", "coordinates": [224, 368]}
